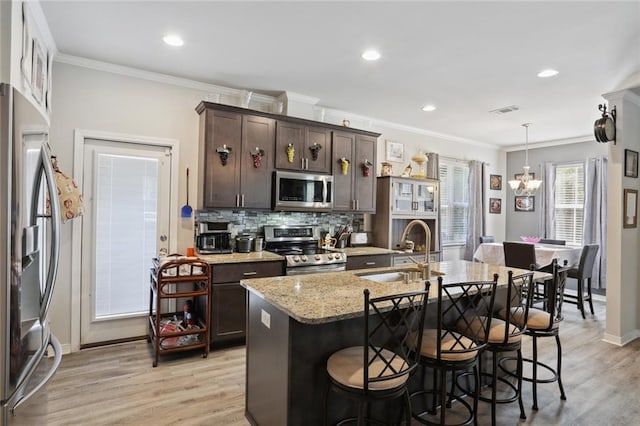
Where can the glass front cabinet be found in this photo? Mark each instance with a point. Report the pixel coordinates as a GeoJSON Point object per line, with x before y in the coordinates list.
{"type": "Point", "coordinates": [415, 198]}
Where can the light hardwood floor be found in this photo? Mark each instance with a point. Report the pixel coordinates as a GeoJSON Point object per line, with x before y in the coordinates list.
{"type": "Point", "coordinates": [118, 385]}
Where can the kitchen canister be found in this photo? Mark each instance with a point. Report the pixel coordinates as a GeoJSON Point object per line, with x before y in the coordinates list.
{"type": "Point", "coordinates": [243, 243]}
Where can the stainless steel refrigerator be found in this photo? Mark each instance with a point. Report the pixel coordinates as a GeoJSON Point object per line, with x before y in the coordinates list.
{"type": "Point", "coordinates": [30, 235]}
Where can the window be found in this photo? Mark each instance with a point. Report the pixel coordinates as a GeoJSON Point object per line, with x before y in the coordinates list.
{"type": "Point", "coordinates": [454, 201]}
{"type": "Point", "coordinates": [569, 202]}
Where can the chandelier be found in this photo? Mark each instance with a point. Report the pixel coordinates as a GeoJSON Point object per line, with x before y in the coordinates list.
{"type": "Point", "coordinates": [525, 184]}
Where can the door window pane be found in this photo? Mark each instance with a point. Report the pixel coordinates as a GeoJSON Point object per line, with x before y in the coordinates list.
{"type": "Point", "coordinates": [126, 203]}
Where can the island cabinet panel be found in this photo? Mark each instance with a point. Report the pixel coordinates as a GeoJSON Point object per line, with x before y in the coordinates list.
{"type": "Point", "coordinates": [287, 369]}
{"type": "Point", "coordinates": [369, 261]}
{"type": "Point", "coordinates": [229, 298]}
{"type": "Point", "coordinates": [295, 146]}
{"type": "Point", "coordinates": [243, 179]}
{"type": "Point", "coordinates": [355, 187]}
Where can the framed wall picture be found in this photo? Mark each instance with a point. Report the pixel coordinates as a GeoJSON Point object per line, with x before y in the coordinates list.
{"type": "Point", "coordinates": [395, 151]}
{"type": "Point", "coordinates": [630, 163]}
{"type": "Point", "coordinates": [38, 71]}
{"type": "Point", "coordinates": [495, 182]}
{"type": "Point", "coordinates": [630, 208]}
{"type": "Point", "coordinates": [495, 205]}
{"type": "Point", "coordinates": [524, 203]}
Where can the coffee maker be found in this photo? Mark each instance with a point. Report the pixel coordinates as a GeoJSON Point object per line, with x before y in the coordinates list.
{"type": "Point", "coordinates": [213, 237]}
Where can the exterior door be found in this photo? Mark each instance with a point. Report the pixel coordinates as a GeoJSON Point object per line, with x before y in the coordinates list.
{"type": "Point", "coordinates": [126, 224]}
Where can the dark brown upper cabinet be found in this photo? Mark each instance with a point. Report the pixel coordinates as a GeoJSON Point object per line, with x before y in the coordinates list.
{"type": "Point", "coordinates": [303, 148]}
{"type": "Point", "coordinates": [235, 170]}
{"type": "Point", "coordinates": [354, 172]}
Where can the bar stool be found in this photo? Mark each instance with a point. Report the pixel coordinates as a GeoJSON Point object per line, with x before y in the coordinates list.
{"type": "Point", "coordinates": [583, 272]}
{"type": "Point", "coordinates": [505, 336]}
{"type": "Point", "coordinates": [544, 323]}
{"type": "Point", "coordinates": [444, 349]}
{"type": "Point", "coordinates": [381, 367]}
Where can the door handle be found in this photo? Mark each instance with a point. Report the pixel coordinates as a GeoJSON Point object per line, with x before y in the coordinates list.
{"type": "Point", "coordinates": [242, 200]}
{"type": "Point", "coordinates": [44, 166]}
{"type": "Point", "coordinates": [306, 164]}
{"type": "Point", "coordinates": [302, 163]}
{"type": "Point", "coordinates": [163, 238]}
{"type": "Point", "coordinates": [247, 274]}
{"type": "Point", "coordinates": [237, 200]}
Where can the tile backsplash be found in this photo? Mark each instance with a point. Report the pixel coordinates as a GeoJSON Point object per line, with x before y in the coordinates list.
{"type": "Point", "coordinates": [243, 221]}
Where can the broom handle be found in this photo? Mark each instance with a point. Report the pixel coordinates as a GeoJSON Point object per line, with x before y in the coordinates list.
{"type": "Point", "coordinates": [187, 186]}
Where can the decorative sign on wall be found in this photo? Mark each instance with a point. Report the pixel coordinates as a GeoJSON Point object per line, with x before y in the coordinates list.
{"type": "Point", "coordinates": [495, 205]}
{"type": "Point", "coordinates": [630, 208]}
{"type": "Point", "coordinates": [495, 183]}
{"type": "Point", "coordinates": [525, 203]}
{"type": "Point", "coordinates": [630, 163]}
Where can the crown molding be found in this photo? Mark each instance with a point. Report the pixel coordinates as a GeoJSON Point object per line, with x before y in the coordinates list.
{"type": "Point", "coordinates": [556, 142]}
{"type": "Point", "coordinates": [297, 97]}
{"type": "Point", "coordinates": [42, 26]}
{"type": "Point", "coordinates": [157, 77]}
{"type": "Point", "coordinates": [625, 95]}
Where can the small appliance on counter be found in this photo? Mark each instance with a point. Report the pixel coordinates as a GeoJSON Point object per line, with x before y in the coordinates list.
{"type": "Point", "coordinates": [244, 243]}
{"type": "Point", "coordinates": [358, 239]}
{"type": "Point", "coordinates": [213, 237]}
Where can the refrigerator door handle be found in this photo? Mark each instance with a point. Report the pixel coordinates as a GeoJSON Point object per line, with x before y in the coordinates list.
{"type": "Point", "coordinates": [44, 165]}
{"type": "Point", "coordinates": [57, 357]}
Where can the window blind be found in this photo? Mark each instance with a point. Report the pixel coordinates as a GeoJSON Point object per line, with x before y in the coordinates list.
{"type": "Point", "coordinates": [569, 200]}
{"type": "Point", "coordinates": [454, 201]}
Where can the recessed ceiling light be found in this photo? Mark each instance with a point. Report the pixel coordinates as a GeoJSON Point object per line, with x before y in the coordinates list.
{"type": "Point", "coordinates": [429, 108]}
{"type": "Point", "coordinates": [173, 40]}
{"type": "Point", "coordinates": [547, 73]}
{"type": "Point", "coordinates": [371, 55]}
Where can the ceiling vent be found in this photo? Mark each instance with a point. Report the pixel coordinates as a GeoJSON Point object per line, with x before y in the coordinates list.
{"type": "Point", "coordinates": [505, 110]}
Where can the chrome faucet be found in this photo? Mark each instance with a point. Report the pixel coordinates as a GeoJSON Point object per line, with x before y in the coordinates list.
{"type": "Point", "coordinates": [424, 266]}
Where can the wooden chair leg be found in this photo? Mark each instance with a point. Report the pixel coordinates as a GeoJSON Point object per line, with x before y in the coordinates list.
{"type": "Point", "coordinates": [590, 297]}
{"type": "Point", "coordinates": [580, 297]}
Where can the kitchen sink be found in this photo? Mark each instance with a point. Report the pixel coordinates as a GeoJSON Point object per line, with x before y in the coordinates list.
{"type": "Point", "coordinates": [386, 277]}
{"type": "Point", "coordinates": [394, 276]}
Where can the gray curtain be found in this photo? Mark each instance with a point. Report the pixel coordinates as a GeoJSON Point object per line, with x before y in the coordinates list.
{"type": "Point", "coordinates": [547, 209]}
{"type": "Point", "coordinates": [595, 215]}
{"type": "Point", "coordinates": [476, 210]}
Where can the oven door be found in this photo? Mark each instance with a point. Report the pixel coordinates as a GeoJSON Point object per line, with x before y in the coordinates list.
{"type": "Point", "coordinates": [302, 191]}
{"type": "Point", "coordinates": [316, 269]}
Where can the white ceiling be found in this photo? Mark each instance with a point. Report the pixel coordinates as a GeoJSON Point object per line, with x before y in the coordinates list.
{"type": "Point", "coordinates": [467, 58]}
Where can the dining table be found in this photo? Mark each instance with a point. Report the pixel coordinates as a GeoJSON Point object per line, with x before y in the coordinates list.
{"type": "Point", "coordinates": [493, 253]}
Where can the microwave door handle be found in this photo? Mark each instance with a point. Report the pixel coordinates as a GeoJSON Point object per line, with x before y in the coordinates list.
{"type": "Point", "coordinates": [324, 190]}
{"type": "Point", "coordinates": [44, 164]}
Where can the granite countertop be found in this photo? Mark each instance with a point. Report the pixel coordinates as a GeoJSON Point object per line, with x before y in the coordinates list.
{"type": "Point", "coordinates": [254, 256]}
{"type": "Point", "coordinates": [333, 296]}
{"type": "Point", "coordinates": [364, 251]}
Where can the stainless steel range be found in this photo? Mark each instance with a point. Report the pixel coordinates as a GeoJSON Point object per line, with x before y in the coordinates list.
{"type": "Point", "coordinates": [299, 244]}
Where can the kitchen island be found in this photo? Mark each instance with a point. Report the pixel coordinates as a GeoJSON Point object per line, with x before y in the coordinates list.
{"type": "Point", "coordinates": [296, 322]}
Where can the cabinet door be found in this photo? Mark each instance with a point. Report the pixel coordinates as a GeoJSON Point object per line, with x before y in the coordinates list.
{"type": "Point", "coordinates": [402, 197]}
{"type": "Point", "coordinates": [318, 137]}
{"type": "Point", "coordinates": [365, 186]}
{"type": "Point", "coordinates": [228, 312]}
{"type": "Point", "coordinates": [343, 147]}
{"type": "Point", "coordinates": [294, 135]}
{"type": "Point", "coordinates": [222, 182]}
{"type": "Point", "coordinates": [258, 134]}
{"type": "Point", "coordinates": [425, 197]}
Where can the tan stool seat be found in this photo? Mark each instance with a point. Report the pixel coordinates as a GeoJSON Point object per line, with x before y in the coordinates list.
{"type": "Point", "coordinates": [538, 319]}
{"type": "Point", "coordinates": [496, 332]}
{"type": "Point", "coordinates": [346, 368]}
{"type": "Point", "coordinates": [449, 343]}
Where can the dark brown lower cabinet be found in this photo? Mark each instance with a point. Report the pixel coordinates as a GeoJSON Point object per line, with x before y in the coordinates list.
{"type": "Point", "coordinates": [229, 298]}
{"type": "Point", "coordinates": [368, 261]}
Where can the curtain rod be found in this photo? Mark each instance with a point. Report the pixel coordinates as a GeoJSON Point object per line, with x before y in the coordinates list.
{"type": "Point", "coordinates": [457, 160]}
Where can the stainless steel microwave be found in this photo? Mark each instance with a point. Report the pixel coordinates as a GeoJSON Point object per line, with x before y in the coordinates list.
{"type": "Point", "coordinates": [302, 191]}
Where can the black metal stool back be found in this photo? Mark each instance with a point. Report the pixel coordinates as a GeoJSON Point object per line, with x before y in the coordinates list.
{"type": "Point", "coordinates": [460, 306]}
{"type": "Point", "coordinates": [380, 368]}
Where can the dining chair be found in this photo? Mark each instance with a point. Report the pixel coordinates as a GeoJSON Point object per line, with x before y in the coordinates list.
{"type": "Point", "coordinates": [543, 323]}
{"type": "Point", "coordinates": [444, 349]}
{"type": "Point", "coordinates": [555, 242]}
{"type": "Point", "coordinates": [487, 239]}
{"type": "Point", "coordinates": [519, 255]}
{"type": "Point", "coordinates": [380, 368]}
{"type": "Point", "coordinates": [583, 272]}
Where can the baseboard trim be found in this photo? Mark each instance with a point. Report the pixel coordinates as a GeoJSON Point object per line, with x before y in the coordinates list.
{"type": "Point", "coordinates": [621, 340]}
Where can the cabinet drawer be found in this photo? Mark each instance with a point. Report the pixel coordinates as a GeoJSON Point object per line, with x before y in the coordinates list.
{"type": "Point", "coordinates": [370, 261]}
{"type": "Point", "coordinates": [234, 272]}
